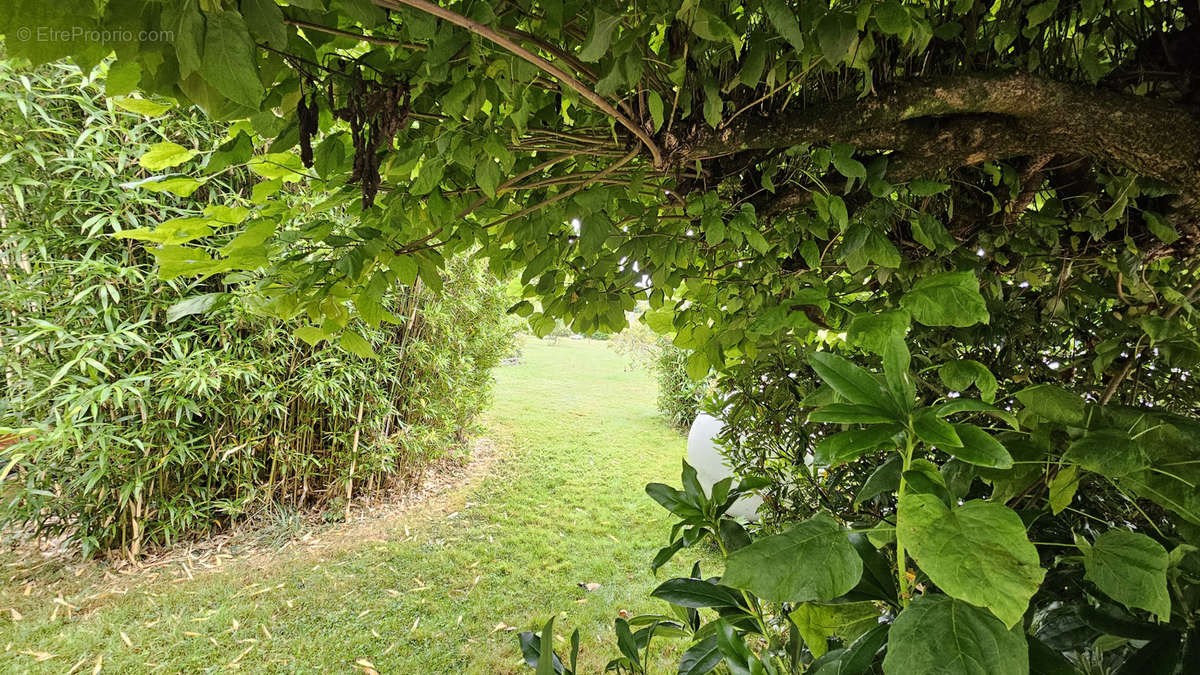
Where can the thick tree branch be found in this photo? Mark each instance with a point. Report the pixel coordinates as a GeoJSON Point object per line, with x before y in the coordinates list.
{"type": "Point", "coordinates": [962, 120]}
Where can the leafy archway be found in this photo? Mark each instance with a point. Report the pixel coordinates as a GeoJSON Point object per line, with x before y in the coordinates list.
{"type": "Point", "coordinates": [1007, 192]}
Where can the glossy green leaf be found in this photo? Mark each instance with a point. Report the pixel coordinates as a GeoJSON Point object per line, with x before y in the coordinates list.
{"type": "Point", "coordinates": [932, 430]}
{"type": "Point", "coordinates": [696, 593]}
{"type": "Point", "coordinates": [850, 413]}
{"type": "Point", "coordinates": [886, 478]}
{"type": "Point", "coordinates": [854, 659]}
{"type": "Point", "coordinates": [852, 382]}
{"type": "Point", "coordinates": [981, 448]}
{"type": "Point", "coordinates": [850, 445]}
{"type": "Point", "coordinates": [702, 657]}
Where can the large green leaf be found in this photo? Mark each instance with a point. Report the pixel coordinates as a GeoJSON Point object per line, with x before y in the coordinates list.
{"type": "Point", "coordinates": [197, 304]}
{"type": "Point", "coordinates": [175, 261]}
{"type": "Point", "coordinates": [884, 479]}
{"type": "Point", "coordinates": [546, 661]}
{"type": "Point", "coordinates": [874, 332]}
{"type": "Point", "coordinates": [811, 561]}
{"type": "Point", "coordinates": [850, 445]}
{"type": "Point", "coordinates": [784, 21]}
{"type": "Point", "coordinates": [836, 33]}
{"type": "Point", "coordinates": [981, 448]}
{"type": "Point", "coordinates": [893, 18]}
{"type": "Point", "coordinates": [1062, 488]}
{"type": "Point", "coordinates": [938, 635]}
{"type": "Point", "coordinates": [946, 299]}
{"type": "Point", "coordinates": [600, 35]}
{"type": "Point", "coordinates": [265, 21]}
{"type": "Point", "coordinates": [1131, 568]}
{"type": "Point", "coordinates": [1052, 403]}
{"type": "Point", "coordinates": [852, 382]}
{"type": "Point", "coordinates": [696, 593]}
{"type": "Point", "coordinates": [184, 20]}
{"type": "Point", "coordinates": [701, 657]}
{"type": "Point", "coordinates": [229, 63]}
{"type": "Point", "coordinates": [977, 552]}
{"type": "Point", "coordinates": [933, 430]}
{"type": "Point", "coordinates": [847, 620]}
{"type": "Point", "coordinates": [165, 155]}
{"type": "Point", "coordinates": [855, 659]}
{"type": "Point", "coordinates": [850, 413]}
{"type": "Point", "coordinates": [1108, 452]}
{"type": "Point", "coordinates": [960, 374]}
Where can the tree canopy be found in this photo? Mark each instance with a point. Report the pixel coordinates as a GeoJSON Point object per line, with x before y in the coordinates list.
{"type": "Point", "coordinates": [994, 206]}
{"type": "Point", "coordinates": [780, 167]}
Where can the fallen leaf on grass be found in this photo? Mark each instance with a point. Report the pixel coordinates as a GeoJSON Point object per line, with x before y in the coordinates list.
{"type": "Point", "coordinates": [16, 616]}
{"type": "Point", "coordinates": [39, 656]}
{"type": "Point", "coordinates": [126, 640]}
{"type": "Point", "coordinates": [367, 666]}
{"type": "Point", "coordinates": [590, 586]}
{"type": "Point", "coordinates": [503, 626]}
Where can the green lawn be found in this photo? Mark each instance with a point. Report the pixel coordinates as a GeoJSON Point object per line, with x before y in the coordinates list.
{"type": "Point", "coordinates": [578, 438]}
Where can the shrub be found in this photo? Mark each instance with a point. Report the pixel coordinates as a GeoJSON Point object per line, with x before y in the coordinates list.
{"type": "Point", "coordinates": [679, 396]}
{"type": "Point", "coordinates": [140, 419]}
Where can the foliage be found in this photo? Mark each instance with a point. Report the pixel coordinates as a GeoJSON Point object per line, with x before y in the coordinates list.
{"type": "Point", "coordinates": [422, 591]}
{"type": "Point", "coordinates": [947, 573]}
{"type": "Point", "coordinates": [140, 422]}
{"type": "Point", "coordinates": [680, 396]}
{"type": "Point", "coordinates": [1002, 194]}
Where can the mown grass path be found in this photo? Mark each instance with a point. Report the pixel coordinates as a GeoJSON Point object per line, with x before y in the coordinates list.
{"type": "Point", "coordinates": [577, 436]}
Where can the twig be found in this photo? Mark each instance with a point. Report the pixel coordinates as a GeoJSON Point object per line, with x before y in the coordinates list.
{"type": "Point", "coordinates": [373, 39]}
{"type": "Point", "coordinates": [771, 93]}
{"type": "Point", "coordinates": [567, 193]}
{"type": "Point", "coordinates": [1115, 382]}
{"type": "Point", "coordinates": [505, 42]}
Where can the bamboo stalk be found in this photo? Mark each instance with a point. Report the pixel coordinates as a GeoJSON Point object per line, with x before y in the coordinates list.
{"type": "Point", "coordinates": [353, 459]}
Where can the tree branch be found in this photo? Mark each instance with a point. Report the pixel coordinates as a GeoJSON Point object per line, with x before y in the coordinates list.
{"type": "Point", "coordinates": [954, 121]}
{"type": "Point", "coordinates": [562, 75]}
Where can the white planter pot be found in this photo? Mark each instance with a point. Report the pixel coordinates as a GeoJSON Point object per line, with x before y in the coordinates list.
{"type": "Point", "coordinates": [711, 466]}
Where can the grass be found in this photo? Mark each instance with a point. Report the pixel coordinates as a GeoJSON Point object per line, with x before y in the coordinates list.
{"type": "Point", "coordinates": [578, 438]}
